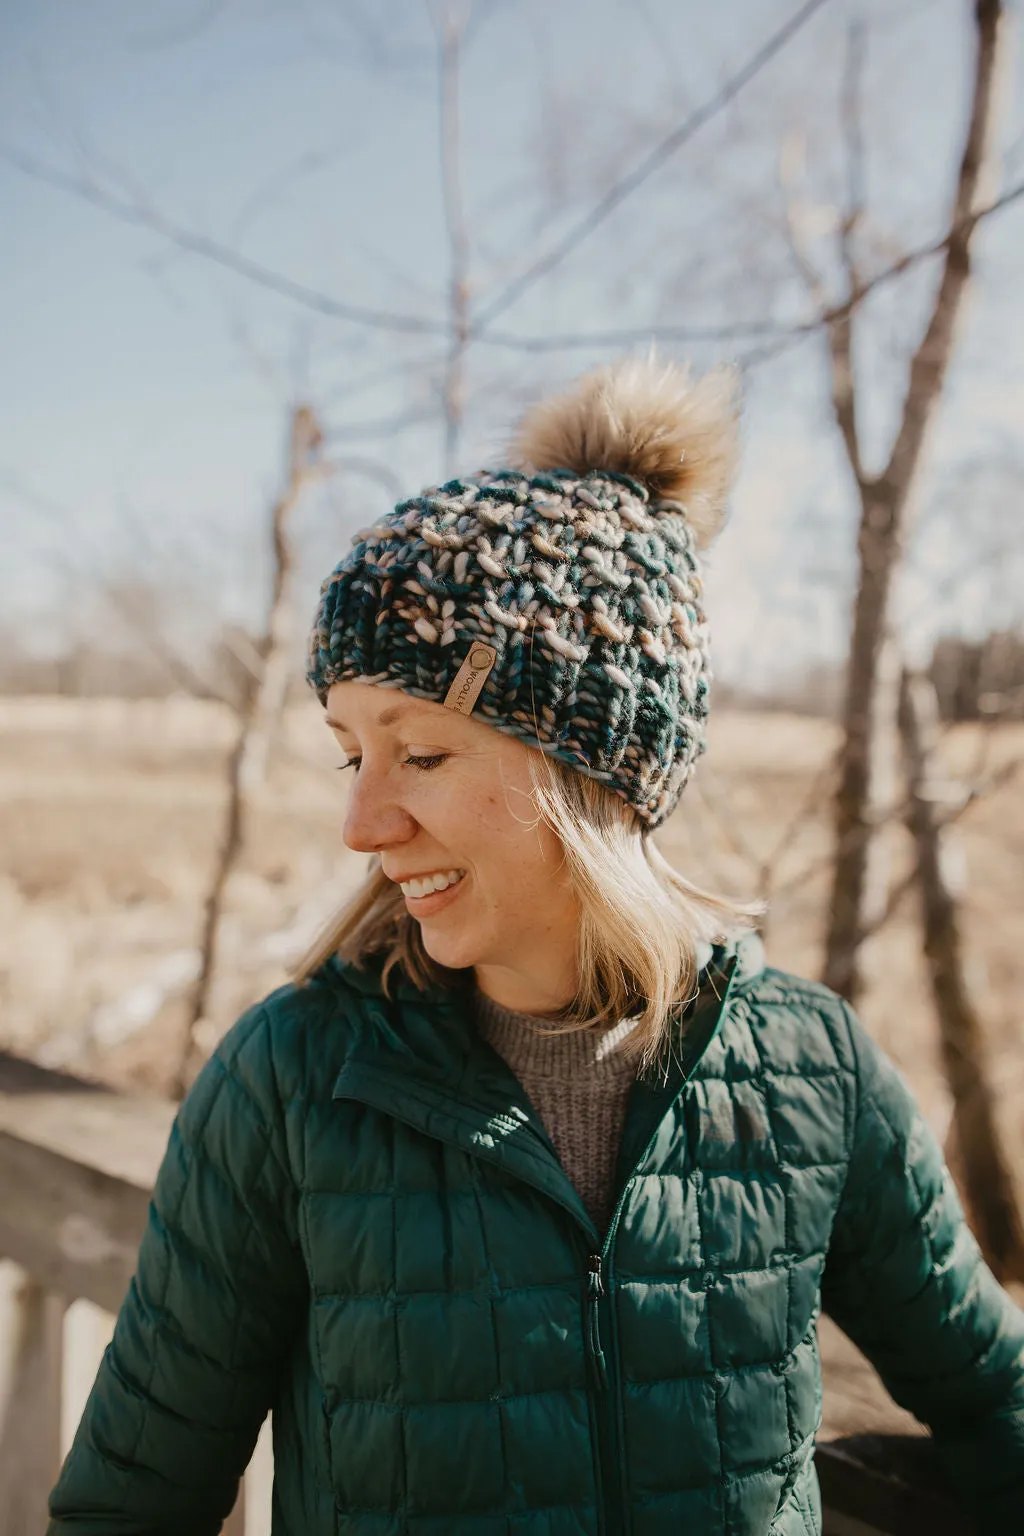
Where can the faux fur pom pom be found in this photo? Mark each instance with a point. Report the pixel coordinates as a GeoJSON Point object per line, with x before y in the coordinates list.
{"type": "Point", "coordinates": [646, 419]}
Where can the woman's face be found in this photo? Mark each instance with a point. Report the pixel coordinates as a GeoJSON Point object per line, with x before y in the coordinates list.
{"type": "Point", "coordinates": [434, 791]}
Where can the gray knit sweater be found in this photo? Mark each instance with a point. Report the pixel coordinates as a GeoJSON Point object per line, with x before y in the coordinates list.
{"type": "Point", "coordinates": [578, 1083]}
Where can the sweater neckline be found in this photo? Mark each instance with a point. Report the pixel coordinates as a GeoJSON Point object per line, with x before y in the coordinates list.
{"type": "Point", "coordinates": [567, 1053]}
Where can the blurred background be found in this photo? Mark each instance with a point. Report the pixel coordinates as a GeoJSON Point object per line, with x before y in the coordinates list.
{"type": "Point", "coordinates": [269, 266]}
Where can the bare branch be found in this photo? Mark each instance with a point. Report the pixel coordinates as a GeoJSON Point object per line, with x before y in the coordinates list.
{"type": "Point", "coordinates": [813, 799]}
{"type": "Point", "coordinates": [978, 791]}
{"type": "Point", "coordinates": [370, 469]}
{"type": "Point", "coordinates": [726, 824]}
{"type": "Point", "coordinates": [840, 330]}
{"type": "Point", "coordinates": [839, 327]}
{"type": "Point", "coordinates": [451, 27]}
{"type": "Point", "coordinates": [928, 368]}
{"type": "Point", "coordinates": [765, 865]}
{"type": "Point", "coordinates": [626, 336]}
{"type": "Point", "coordinates": [143, 216]}
{"type": "Point", "coordinates": [777, 337]}
{"type": "Point", "coordinates": [960, 230]}
{"type": "Point", "coordinates": [422, 362]}
{"type": "Point", "coordinates": [853, 137]}
{"type": "Point", "coordinates": [178, 669]}
{"type": "Point", "coordinates": [284, 178]}
{"type": "Point", "coordinates": [628, 184]}
{"type": "Point", "coordinates": [384, 426]}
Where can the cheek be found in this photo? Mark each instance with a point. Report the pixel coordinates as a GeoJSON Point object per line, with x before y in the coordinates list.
{"type": "Point", "coordinates": [466, 818]}
{"type": "Point", "coordinates": [518, 848]}
{"type": "Point", "coordinates": [491, 820]}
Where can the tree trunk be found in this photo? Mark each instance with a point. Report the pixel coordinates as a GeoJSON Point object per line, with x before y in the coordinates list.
{"type": "Point", "coordinates": [267, 704]}
{"type": "Point", "coordinates": [866, 770]}
{"type": "Point", "coordinates": [258, 716]}
{"type": "Point", "coordinates": [452, 27]}
{"type": "Point", "coordinates": [988, 1184]}
{"type": "Point", "coordinates": [884, 503]}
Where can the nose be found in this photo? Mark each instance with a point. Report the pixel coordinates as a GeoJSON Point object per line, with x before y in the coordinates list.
{"type": "Point", "coordinates": [374, 819]}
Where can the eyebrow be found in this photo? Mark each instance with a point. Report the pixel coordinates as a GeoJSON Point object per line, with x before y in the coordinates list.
{"type": "Point", "coordinates": [386, 717]}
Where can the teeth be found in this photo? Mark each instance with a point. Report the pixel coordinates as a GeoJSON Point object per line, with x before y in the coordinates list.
{"type": "Point", "coordinates": [432, 883]}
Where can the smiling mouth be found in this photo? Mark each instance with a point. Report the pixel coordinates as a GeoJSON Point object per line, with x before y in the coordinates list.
{"type": "Point", "coordinates": [434, 900]}
{"type": "Point", "coordinates": [428, 884]}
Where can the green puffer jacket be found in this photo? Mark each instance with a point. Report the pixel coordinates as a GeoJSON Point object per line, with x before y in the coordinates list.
{"type": "Point", "coordinates": [361, 1224]}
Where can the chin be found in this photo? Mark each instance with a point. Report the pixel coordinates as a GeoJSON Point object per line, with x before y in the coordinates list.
{"type": "Point", "coordinates": [456, 951]}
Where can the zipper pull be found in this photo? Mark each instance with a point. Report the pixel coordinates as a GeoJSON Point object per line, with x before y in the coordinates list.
{"type": "Point", "coordinates": [595, 1289]}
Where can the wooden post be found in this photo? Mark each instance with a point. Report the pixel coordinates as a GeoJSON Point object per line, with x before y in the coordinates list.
{"type": "Point", "coordinates": [30, 1402]}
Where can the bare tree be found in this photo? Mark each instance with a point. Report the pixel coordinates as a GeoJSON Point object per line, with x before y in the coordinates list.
{"type": "Point", "coordinates": [257, 717]}
{"type": "Point", "coordinates": [985, 1171]}
{"type": "Point", "coordinates": [763, 864]}
{"type": "Point", "coordinates": [450, 332]}
{"type": "Point", "coordinates": [885, 497]}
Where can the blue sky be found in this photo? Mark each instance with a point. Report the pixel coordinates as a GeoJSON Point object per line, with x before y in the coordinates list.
{"type": "Point", "coordinates": [145, 391]}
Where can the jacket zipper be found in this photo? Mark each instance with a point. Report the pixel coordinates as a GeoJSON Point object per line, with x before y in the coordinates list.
{"type": "Point", "coordinates": [611, 1426]}
{"type": "Point", "coordinates": [609, 1465]}
{"type": "Point", "coordinates": [595, 1290]}
{"type": "Point", "coordinates": [602, 1340]}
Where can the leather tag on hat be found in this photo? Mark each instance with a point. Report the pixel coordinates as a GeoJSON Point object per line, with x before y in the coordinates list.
{"type": "Point", "coordinates": [470, 678]}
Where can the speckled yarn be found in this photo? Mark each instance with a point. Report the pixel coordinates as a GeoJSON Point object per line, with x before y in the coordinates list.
{"type": "Point", "coordinates": [589, 591]}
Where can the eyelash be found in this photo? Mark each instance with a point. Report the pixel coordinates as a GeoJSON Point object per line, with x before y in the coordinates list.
{"type": "Point", "coordinates": [423, 763]}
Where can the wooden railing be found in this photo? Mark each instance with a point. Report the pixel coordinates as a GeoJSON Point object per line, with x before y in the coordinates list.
{"type": "Point", "coordinates": [77, 1162]}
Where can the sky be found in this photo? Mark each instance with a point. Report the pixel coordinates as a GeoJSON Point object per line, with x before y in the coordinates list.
{"type": "Point", "coordinates": [146, 391]}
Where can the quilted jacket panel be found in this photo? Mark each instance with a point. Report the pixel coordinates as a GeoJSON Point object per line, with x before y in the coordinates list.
{"type": "Point", "coordinates": [361, 1224]}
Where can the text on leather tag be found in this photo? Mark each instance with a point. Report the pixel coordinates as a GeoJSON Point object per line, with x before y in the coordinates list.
{"type": "Point", "coordinates": [470, 678]}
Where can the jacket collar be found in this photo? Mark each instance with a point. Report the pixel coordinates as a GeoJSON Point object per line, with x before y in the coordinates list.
{"type": "Point", "coordinates": [419, 1057]}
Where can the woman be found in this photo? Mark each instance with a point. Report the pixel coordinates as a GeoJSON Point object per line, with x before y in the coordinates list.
{"type": "Point", "coordinates": [519, 1208]}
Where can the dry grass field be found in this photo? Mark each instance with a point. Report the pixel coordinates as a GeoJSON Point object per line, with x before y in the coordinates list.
{"type": "Point", "coordinates": [109, 819]}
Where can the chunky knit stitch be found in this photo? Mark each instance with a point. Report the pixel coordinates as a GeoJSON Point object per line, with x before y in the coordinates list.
{"type": "Point", "coordinates": [578, 1082]}
{"type": "Point", "coordinates": [587, 588]}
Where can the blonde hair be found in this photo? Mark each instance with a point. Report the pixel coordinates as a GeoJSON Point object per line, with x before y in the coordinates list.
{"type": "Point", "coordinates": [641, 921]}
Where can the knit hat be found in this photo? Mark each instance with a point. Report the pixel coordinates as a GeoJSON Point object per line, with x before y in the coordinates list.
{"type": "Point", "coordinates": [558, 599]}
